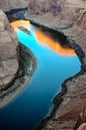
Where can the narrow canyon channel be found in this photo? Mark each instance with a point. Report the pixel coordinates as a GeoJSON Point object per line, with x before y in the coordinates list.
{"type": "Point", "coordinates": [54, 65]}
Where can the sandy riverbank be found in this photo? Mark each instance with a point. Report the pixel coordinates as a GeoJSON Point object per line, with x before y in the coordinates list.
{"type": "Point", "coordinates": [27, 66]}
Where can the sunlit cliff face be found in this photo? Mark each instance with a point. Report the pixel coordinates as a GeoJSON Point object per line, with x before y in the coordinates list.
{"type": "Point", "coordinates": [44, 39]}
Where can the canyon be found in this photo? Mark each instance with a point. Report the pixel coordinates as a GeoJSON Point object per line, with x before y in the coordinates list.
{"type": "Point", "coordinates": [68, 17]}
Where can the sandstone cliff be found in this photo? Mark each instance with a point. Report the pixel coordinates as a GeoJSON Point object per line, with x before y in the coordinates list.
{"type": "Point", "coordinates": [8, 52]}
{"type": "Point", "coordinates": [10, 4]}
{"type": "Point", "coordinates": [40, 7]}
{"type": "Point", "coordinates": [62, 13]}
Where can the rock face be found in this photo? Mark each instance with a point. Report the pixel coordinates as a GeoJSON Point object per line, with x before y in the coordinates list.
{"type": "Point", "coordinates": [9, 4]}
{"type": "Point", "coordinates": [41, 7]}
{"type": "Point", "coordinates": [62, 13]}
{"type": "Point", "coordinates": [8, 52]}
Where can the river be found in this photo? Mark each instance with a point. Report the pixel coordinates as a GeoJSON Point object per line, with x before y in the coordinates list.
{"type": "Point", "coordinates": [54, 65]}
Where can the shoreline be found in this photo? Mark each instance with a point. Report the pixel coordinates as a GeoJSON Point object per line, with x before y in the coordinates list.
{"type": "Point", "coordinates": [26, 70]}
{"type": "Point", "coordinates": [57, 100]}
{"type": "Point", "coordinates": [59, 97]}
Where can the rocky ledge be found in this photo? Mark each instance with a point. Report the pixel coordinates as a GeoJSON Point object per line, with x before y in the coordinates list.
{"type": "Point", "coordinates": [9, 53]}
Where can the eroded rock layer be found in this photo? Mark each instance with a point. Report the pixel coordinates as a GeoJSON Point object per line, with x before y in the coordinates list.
{"type": "Point", "coordinates": [8, 52]}
{"type": "Point", "coordinates": [10, 4]}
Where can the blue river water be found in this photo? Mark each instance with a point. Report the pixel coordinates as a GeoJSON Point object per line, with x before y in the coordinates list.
{"type": "Point", "coordinates": [35, 100]}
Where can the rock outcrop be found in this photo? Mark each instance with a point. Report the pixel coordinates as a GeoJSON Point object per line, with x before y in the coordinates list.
{"type": "Point", "coordinates": [8, 52]}
{"type": "Point", "coordinates": [41, 7]}
{"type": "Point", "coordinates": [62, 13]}
{"type": "Point", "coordinates": [6, 5]}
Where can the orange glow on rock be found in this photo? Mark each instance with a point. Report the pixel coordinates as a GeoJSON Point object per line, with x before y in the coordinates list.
{"type": "Point", "coordinates": [18, 23]}
{"type": "Point", "coordinates": [54, 45]}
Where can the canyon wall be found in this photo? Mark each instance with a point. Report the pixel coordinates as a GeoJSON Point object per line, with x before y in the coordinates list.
{"type": "Point", "coordinates": [62, 13]}
{"type": "Point", "coordinates": [6, 5]}
{"type": "Point", "coordinates": [8, 52]}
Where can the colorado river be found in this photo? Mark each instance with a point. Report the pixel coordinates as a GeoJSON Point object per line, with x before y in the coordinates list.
{"type": "Point", "coordinates": [35, 101]}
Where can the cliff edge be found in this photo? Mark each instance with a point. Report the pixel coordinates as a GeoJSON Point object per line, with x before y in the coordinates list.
{"type": "Point", "coordinates": [8, 52]}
